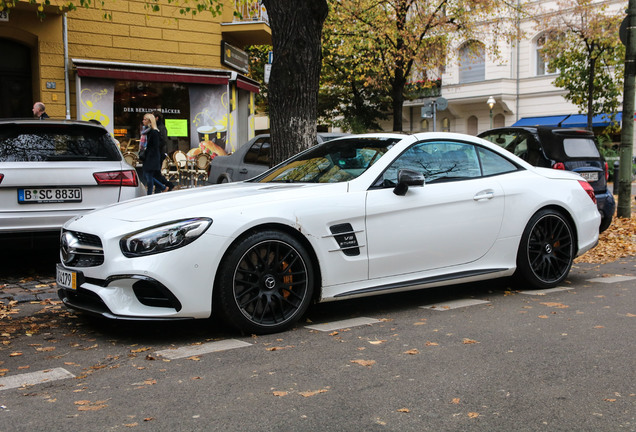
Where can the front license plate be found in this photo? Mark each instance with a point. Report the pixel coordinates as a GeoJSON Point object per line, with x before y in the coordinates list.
{"type": "Point", "coordinates": [49, 195]}
{"type": "Point", "coordinates": [590, 176]}
{"type": "Point", "coordinates": [66, 278]}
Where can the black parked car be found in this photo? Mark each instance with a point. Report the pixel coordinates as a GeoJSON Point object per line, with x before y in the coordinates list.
{"type": "Point", "coordinates": [561, 148]}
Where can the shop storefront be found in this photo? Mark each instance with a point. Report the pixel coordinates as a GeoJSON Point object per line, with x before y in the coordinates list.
{"type": "Point", "coordinates": [198, 105]}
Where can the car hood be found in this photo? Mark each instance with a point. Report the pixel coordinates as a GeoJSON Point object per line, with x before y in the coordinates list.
{"type": "Point", "coordinates": [205, 201]}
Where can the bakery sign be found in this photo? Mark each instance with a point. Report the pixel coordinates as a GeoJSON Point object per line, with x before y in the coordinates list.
{"type": "Point", "coordinates": [235, 58]}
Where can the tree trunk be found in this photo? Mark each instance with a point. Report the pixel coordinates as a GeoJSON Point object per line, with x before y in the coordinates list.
{"type": "Point", "coordinates": [590, 90]}
{"type": "Point", "coordinates": [397, 94]}
{"type": "Point", "coordinates": [295, 77]}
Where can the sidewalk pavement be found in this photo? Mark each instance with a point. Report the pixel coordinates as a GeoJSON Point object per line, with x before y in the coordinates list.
{"type": "Point", "coordinates": [28, 289]}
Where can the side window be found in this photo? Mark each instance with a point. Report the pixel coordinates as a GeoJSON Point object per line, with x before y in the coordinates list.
{"type": "Point", "coordinates": [437, 161]}
{"type": "Point", "coordinates": [252, 154]}
{"type": "Point", "coordinates": [264, 154]}
{"type": "Point", "coordinates": [514, 142]}
{"type": "Point", "coordinates": [492, 163]}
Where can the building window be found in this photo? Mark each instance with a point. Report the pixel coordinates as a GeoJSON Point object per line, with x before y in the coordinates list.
{"type": "Point", "coordinates": [424, 125]}
{"type": "Point", "coordinates": [542, 64]}
{"type": "Point", "coordinates": [472, 62]}
{"type": "Point", "coordinates": [499, 121]}
{"type": "Point", "coordinates": [472, 125]}
{"type": "Point", "coordinates": [541, 58]}
{"type": "Point", "coordinates": [445, 124]}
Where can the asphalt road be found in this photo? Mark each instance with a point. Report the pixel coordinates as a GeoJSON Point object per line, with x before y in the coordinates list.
{"type": "Point", "coordinates": [481, 357]}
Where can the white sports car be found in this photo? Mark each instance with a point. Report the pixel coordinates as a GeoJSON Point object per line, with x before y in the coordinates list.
{"type": "Point", "coordinates": [356, 216]}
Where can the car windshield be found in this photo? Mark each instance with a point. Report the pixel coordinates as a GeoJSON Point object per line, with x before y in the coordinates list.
{"type": "Point", "coordinates": [331, 162]}
{"type": "Point", "coordinates": [31, 143]}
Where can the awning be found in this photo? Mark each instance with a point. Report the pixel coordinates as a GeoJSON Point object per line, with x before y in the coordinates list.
{"type": "Point", "coordinates": [245, 83]}
{"type": "Point", "coordinates": [161, 73]}
{"type": "Point", "coordinates": [574, 120]}
{"type": "Point", "coordinates": [149, 73]}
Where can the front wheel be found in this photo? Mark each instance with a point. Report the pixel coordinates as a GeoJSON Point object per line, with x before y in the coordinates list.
{"type": "Point", "coordinates": [546, 251]}
{"type": "Point", "coordinates": [265, 282]}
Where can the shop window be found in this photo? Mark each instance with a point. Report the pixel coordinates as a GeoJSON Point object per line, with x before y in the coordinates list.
{"type": "Point", "coordinates": [133, 99]}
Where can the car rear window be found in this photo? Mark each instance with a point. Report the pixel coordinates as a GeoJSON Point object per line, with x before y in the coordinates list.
{"type": "Point", "coordinates": [580, 148]}
{"type": "Point", "coordinates": [31, 143]}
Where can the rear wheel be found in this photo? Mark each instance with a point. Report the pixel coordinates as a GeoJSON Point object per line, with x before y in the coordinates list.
{"type": "Point", "coordinates": [546, 251]}
{"type": "Point", "coordinates": [265, 282]}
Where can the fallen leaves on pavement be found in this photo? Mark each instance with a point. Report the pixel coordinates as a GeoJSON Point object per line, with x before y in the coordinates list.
{"type": "Point", "coordinates": [313, 393]}
{"type": "Point", "coordinates": [618, 241]}
{"type": "Point", "coordinates": [367, 363]}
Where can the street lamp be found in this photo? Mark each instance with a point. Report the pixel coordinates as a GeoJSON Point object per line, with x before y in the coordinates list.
{"type": "Point", "coordinates": [491, 104]}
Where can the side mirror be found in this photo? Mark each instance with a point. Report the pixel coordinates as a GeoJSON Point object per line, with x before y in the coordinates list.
{"type": "Point", "coordinates": [407, 178]}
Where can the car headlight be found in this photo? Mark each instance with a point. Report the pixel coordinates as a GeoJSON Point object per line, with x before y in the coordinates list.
{"type": "Point", "coordinates": [163, 238]}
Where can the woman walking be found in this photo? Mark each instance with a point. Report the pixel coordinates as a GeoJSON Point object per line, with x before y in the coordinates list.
{"type": "Point", "coordinates": [152, 161]}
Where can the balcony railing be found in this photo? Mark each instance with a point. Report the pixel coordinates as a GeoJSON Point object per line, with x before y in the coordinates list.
{"type": "Point", "coordinates": [423, 89]}
{"type": "Point", "coordinates": [250, 11]}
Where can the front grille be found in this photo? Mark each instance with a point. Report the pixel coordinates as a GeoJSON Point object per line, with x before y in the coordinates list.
{"type": "Point", "coordinates": [85, 251]}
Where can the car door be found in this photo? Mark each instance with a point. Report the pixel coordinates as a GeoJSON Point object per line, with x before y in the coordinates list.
{"type": "Point", "coordinates": [452, 220]}
{"type": "Point", "coordinates": [256, 160]}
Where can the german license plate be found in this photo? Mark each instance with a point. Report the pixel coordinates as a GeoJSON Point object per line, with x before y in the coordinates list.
{"type": "Point", "coordinates": [590, 176]}
{"type": "Point", "coordinates": [66, 278]}
{"type": "Point", "coordinates": [49, 195]}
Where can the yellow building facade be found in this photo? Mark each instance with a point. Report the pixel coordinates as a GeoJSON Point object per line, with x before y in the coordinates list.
{"type": "Point", "coordinates": [83, 65]}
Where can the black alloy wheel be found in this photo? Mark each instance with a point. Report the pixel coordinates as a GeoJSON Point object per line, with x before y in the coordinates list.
{"type": "Point", "coordinates": [546, 251]}
{"type": "Point", "coordinates": [266, 283]}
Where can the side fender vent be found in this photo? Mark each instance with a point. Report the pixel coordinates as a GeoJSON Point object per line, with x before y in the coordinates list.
{"type": "Point", "coordinates": [346, 238]}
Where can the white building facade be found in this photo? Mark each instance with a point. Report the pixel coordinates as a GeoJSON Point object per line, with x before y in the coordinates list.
{"type": "Point", "coordinates": [516, 79]}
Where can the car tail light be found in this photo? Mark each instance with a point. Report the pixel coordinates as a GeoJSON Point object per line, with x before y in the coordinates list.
{"type": "Point", "coordinates": [116, 178]}
{"type": "Point", "coordinates": [589, 189]}
{"type": "Point", "coordinates": [559, 166]}
{"type": "Point", "coordinates": [1, 177]}
{"type": "Point", "coordinates": [606, 171]}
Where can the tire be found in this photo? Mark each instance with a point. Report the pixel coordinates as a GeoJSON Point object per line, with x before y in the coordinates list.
{"type": "Point", "coordinates": [265, 283]}
{"type": "Point", "coordinates": [606, 221]}
{"type": "Point", "coordinates": [546, 251]}
{"type": "Point", "coordinates": [224, 179]}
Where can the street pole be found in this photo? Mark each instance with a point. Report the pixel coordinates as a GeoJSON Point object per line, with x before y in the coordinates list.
{"type": "Point", "coordinates": [491, 104]}
{"type": "Point", "coordinates": [624, 209]}
{"type": "Point", "coordinates": [434, 106]}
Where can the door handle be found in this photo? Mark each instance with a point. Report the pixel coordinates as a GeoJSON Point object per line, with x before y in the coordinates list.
{"type": "Point", "coordinates": [484, 195]}
{"type": "Point", "coordinates": [243, 171]}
